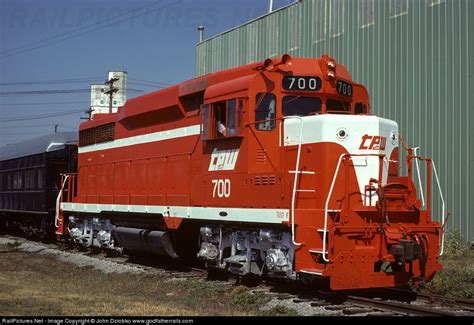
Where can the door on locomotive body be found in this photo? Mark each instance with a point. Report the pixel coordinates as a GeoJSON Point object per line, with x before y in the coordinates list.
{"type": "Point", "coordinates": [222, 136]}
{"type": "Point", "coordinates": [265, 177]}
{"type": "Point", "coordinates": [265, 125]}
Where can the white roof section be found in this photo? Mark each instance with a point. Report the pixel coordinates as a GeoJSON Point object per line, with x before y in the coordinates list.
{"type": "Point", "coordinates": [46, 143]}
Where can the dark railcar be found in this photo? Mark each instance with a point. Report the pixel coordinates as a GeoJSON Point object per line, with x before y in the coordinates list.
{"type": "Point", "coordinates": [30, 180]}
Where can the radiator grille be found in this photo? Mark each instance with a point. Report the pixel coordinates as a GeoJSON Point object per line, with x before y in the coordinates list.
{"type": "Point", "coordinates": [261, 156]}
{"type": "Point", "coordinates": [101, 133]}
{"type": "Point", "coordinates": [265, 180]}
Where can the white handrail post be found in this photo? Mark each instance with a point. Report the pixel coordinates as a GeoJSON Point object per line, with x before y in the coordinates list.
{"type": "Point", "coordinates": [327, 204]}
{"type": "Point", "coordinates": [419, 177]}
{"type": "Point", "coordinates": [442, 208]}
{"type": "Point", "coordinates": [58, 202]}
{"type": "Point", "coordinates": [295, 183]}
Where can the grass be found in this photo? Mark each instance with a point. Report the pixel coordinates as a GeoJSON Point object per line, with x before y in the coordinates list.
{"type": "Point", "coordinates": [40, 285]}
{"type": "Point", "coordinates": [280, 310]}
{"type": "Point", "coordinates": [456, 279]}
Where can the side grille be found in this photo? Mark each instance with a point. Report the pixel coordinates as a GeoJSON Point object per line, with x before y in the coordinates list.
{"type": "Point", "coordinates": [261, 156]}
{"type": "Point", "coordinates": [265, 180]}
{"type": "Point", "coordinates": [101, 133]}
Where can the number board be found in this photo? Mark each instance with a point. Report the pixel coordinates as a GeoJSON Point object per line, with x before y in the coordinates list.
{"type": "Point", "coordinates": [344, 88]}
{"type": "Point", "coordinates": [301, 83]}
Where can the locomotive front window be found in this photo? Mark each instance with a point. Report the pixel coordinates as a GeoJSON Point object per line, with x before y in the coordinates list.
{"type": "Point", "coordinates": [265, 111]}
{"type": "Point", "coordinates": [301, 106]}
{"type": "Point", "coordinates": [360, 108]}
{"type": "Point", "coordinates": [337, 106]}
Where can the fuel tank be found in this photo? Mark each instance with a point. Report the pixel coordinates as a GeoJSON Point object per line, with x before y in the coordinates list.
{"type": "Point", "coordinates": [145, 241]}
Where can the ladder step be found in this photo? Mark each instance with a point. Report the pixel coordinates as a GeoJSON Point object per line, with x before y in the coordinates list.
{"type": "Point", "coordinates": [312, 271]}
{"type": "Point", "coordinates": [322, 230]}
{"type": "Point", "coordinates": [302, 172]}
{"type": "Point", "coordinates": [305, 191]}
{"type": "Point", "coordinates": [334, 210]}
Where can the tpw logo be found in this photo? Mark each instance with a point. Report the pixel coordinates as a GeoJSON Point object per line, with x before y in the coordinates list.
{"type": "Point", "coordinates": [373, 142]}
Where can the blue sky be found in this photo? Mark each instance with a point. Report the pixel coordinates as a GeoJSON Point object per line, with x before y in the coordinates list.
{"type": "Point", "coordinates": [57, 40]}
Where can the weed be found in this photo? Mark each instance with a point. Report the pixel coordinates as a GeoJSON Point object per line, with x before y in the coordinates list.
{"type": "Point", "coordinates": [455, 245]}
{"type": "Point", "coordinates": [280, 310]}
{"type": "Point", "coordinates": [456, 279]}
{"type": "Point", "coordinates": [242, 297]}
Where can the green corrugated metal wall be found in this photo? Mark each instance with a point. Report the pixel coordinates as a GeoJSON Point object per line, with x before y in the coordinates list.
{"type": "Point", "coordinates": [417, 63]}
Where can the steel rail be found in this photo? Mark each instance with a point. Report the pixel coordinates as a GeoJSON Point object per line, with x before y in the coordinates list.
{"type": "Point", "coordinates": [464, 303]}
{"type": "Point", "coordinates": [398, 307]}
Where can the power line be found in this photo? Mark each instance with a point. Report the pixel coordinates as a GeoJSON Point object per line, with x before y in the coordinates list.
{"type": "Point", "coordinates": [90, 31]}
{"type": "Point", "coordinates": [54, 91]}
{"type": "Point", "coordinates": [43, 92]}
{"type": "Point", "coordinates": [31, 104]}
{"type": "Point", "coordinates": [41, 131]}
{"type": "Point", "coordinates": [145, 85]}
{"type": "Point", "coordinates": [151, 82]}
{"type": "Point", "coordinates": [34, 132]}
{"type": "Point", "coordinates": [33, 126]}
{"type": "Point", "coordinates": [78, 29]}
{"type": "Point", "coordinates": [24, 118]}
{"type": "Point", "coordinates": [79, 80]}
{"type": "Point", "coordinates": [47, 82]}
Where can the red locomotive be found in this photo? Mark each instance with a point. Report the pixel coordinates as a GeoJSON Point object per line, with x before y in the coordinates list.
{"type": "Point", "coordinates": [275, 168]}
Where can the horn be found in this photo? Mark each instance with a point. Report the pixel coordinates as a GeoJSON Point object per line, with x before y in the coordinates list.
{"type": "Point", "coordinates": [272, 64]}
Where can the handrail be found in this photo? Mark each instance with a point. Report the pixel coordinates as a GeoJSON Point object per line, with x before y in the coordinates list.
{"type": "Point", "coordinates": [295, 183]}
{"type": "Point", "coordinates": [326, 210]}
{"type": "Point", "coordinates": [327, 204]}
{"type": "Point", "coordinates": [58, 201]}
{"type": "Point", "coordinates": [442, 209]}
{"type": "Point", "coordinates": [419, 177]}
{"type": "Point", "coordinates": [430, 162]}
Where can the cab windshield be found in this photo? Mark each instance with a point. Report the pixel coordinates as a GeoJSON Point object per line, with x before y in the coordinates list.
{"type": "Point", "coordinates": [301, 106]}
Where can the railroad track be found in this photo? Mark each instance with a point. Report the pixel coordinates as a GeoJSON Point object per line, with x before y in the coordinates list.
{"type": "Point", "coordinates": [399, 307]}
{"type": "Point", "coordinates": [380, 302]}
{"type": "Point", "coordinates": [466, 304]}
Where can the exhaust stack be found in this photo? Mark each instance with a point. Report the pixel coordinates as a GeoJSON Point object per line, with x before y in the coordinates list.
{"type": "Point", "coordinates": [201, 33]}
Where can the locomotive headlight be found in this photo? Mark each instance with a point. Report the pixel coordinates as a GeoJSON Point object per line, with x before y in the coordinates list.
{"type": "Point", "coordinates": [331, 74]}
{"type": "Point", "coordinates": [331, 65]}
{"type": "Point", "coordinates": [342, 134]}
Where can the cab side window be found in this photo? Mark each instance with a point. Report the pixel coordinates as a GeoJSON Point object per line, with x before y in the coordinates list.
{"type": "Point", "coordinates": [265, 111]}
{"type": "Point", "coordinates": [222, 119]}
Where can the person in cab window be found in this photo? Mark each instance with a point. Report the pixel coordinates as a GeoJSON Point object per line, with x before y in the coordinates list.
{"type": "Point", "coordinates": [221, 129]}
{"type": "Point", "coordinates": [221, 119]}
{"type": "Point", "coordinates": [269, 123]}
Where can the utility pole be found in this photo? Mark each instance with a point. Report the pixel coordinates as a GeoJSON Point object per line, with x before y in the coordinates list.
{"type": "Point", "coordinates": [111, 91]}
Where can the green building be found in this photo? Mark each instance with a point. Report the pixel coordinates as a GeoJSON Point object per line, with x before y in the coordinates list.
{"type": "Point", "coordinates": [416, 57]}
